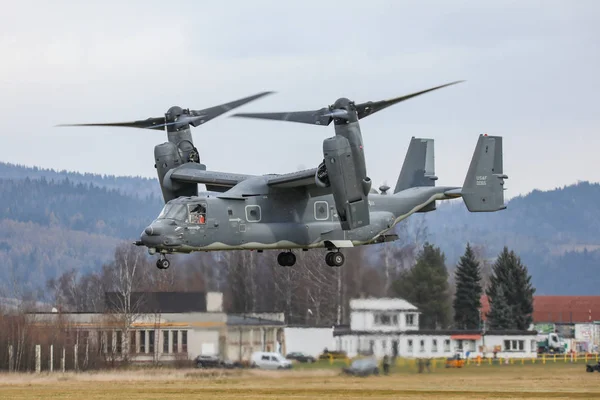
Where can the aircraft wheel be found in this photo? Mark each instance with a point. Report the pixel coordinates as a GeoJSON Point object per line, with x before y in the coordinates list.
{"type": "Point", "coordinates": [162, 263]}
{"type": "Point", "coordinates": [337, 259]}
{"type": "Point", "coordinates": [286, 259]}
{"type": "Point", "coordinates": [329, 259]}
{"type": "Point", "coordinates": [281, 259]}
{"type": "Point", "coordinates": [291, 259]}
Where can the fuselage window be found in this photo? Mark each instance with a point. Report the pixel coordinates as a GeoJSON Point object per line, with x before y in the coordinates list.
{"type": "Point", "coordinates": [197, 213]}
{"type": "Point", "coordinates": [253, 213]}
{"type": "Point", "coordinates": [321, 210]}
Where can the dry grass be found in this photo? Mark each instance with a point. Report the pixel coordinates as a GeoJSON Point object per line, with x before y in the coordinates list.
{"type": "Point", "coordinates": [503, 382]}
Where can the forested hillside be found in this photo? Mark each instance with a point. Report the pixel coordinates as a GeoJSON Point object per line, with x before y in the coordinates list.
{"type": "Point", "coordinates": [557, 234]}
{"type": "Point", "coordinates": [51, 222]}
{"type": "Point", "coordinates": [136, 186]}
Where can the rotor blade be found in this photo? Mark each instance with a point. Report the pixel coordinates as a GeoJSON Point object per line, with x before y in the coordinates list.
{"type": "Point", "coordinates": [317, 117]}
{"type": "Point", "coordinates": [183, 121]}
{"type": "Point", "coordinates": [150, 123]}
{"type": "Point", "coordinates": [337, 114]}
{"type": "Point", "coordinates": [365, 109]}
{"type": "Point", "coordinates": [210, 113]}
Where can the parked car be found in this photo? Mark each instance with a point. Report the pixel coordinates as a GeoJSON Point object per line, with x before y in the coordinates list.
{"type": "Point", "coordinates": [269, 360]}
{"type": "Point", "coordinates": [362, 367]}
{"type": "Point", "coordinates": [300, 357]}
{"type": "Point", "coordinates": [214, 362]}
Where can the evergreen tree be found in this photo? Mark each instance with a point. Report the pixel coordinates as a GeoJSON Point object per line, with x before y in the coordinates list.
{"type": "Point", "coordinates": [426, 286]}
{"type": "Point", "coordinates": [510, 281]}
{"type": "Point", "coordinates": [467, 299]}
{"type": "Point", "coordinates": [500, 315]}
{"type": "Point", "coordinates": [523, 292]}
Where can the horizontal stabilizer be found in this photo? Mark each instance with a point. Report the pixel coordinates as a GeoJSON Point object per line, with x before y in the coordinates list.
{"type": "Point", "coordinates": [483, 189]}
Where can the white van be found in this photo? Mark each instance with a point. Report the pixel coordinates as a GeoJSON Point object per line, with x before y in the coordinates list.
{"type": "Point", "coordinates": [268, 360]}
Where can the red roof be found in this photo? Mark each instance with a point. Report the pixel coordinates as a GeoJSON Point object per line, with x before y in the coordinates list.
{"type": "Point", "coordinates": [556, 309]}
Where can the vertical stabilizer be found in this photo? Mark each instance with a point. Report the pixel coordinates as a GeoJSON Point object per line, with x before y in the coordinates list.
{"type": "Point", "coordinates": [419, 165]}
{"type": "Point", "coordinates": [483, 189]}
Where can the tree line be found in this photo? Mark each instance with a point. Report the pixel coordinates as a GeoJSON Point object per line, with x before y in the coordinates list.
{"type": "Point", "coordinates": [313, 293]}
{"type": "Point", "coordinates": [308, 293]}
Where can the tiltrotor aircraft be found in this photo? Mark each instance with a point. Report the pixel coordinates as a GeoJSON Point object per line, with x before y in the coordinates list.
{"type": "Point", "coordinates": [332, 206]}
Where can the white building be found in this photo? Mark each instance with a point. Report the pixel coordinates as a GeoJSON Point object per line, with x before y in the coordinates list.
{"type": "Point", "coordinates": [391, 326]}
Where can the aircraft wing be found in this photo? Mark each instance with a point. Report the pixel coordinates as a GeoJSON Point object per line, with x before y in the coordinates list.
{"type": "Point", "coordinates": [214, 180]}
{"type": "Point", "coordinates": [293, 179]}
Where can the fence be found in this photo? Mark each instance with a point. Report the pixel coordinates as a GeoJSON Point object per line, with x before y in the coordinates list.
{"type": "Point", "coordinates": [479, 361]}
{"type": "Point", "coordinates": [54, 358]}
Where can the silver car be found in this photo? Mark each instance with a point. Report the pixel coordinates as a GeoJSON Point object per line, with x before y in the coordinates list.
{"type": "Point", "coordinates": [363, 367]}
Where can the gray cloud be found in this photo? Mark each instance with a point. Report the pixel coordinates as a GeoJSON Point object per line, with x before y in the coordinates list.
{"type": "Point", "coordinates": [531, 71]}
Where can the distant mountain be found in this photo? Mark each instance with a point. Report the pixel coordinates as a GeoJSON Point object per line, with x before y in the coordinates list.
{"type": "Point", "coordinates": [135, 186]}
{"type": "Point", "coordinates": [556, 233]}
{"type": "Point", "coordinates": [51, 221]}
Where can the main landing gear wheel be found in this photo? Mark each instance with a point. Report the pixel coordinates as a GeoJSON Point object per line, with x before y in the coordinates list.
{"type": "Point", "coordinates": [162, 263]}
{"type": "Point", "coordinates": [286, 259]}
{"type": "Point", "coordinates": [334, 259]}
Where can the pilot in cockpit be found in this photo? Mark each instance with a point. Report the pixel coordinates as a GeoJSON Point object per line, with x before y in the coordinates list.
{"type": "Point", "coordinates": [198, 214]}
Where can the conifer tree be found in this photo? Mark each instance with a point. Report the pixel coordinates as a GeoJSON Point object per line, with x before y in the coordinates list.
{"type": "Point", "coordinates": [426, 286]}
{"type": "Point", "coordinates": [500, 316]}
{"type": "Point", "coordinates": [510, 284]}
{"type": "Point", "coordinates": [467, 299]}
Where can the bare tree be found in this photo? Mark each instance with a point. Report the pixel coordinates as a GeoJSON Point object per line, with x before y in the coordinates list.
{"type": "Point", "coordinates": [123, 272]}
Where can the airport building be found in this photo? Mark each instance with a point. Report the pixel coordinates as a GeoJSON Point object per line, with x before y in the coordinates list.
{"type": "Point", "coordinates": [575, 319]}
{"type": "Point", "coordinates": [390, 326]}
{"type": "Point", "coordinates": [169, 326]}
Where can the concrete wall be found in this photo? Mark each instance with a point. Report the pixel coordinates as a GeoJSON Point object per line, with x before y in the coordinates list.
{"type": "Point", "coordinates": [308, 340]}
{"type": "Point", "coordinates": [203, 342]}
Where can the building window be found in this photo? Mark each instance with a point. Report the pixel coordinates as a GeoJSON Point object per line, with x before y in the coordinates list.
{"type": "Point", "coordinates": [165, 341]}
{"type": "Point", "coordinates": [119, 341]}
{"type": "Point", "coordinates": [422, 346]}
{"type": "Point", "coordinates": [109, 341]}
{"type": "Point", "coordinates": [410, 319]}
{"type": "Point", "coordinates": [132, 342]}
{"type": "Point", "coordinates": [434, 345]}
{"type": "Point", "coordinates": [386, 319]}
{"type": "Point", "coordinates": [410, 345]}
{"type": "Point", "coordinates": [533, 345]}
{"type": "Point", "coordinates": [514, 345]}
{"type": "Point", "coordinates": [175, 342]}
{"type": "Point", "coordinates": [142, 341]}
{"type": "Point", "coordinates": [184, 341]}
{"type": "Point", "coordinates": [151, 341]}
{"type": "Point", "coordinates": [447, 345]}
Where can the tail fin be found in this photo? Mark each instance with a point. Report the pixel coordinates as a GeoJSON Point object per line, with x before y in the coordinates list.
{"type": "Point", "coordinates": [483, 189]}
{"type": "Point", "coordinates": [418, 168]}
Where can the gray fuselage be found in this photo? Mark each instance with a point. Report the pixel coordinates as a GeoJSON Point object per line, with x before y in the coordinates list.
{"type": "Point", "coordinates": [278, 219]}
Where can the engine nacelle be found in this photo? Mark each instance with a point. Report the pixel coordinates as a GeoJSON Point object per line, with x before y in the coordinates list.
{"type": "Point", "coordinates": [167, 157]}
{"type": "Point", "coordinates": [349, 190]}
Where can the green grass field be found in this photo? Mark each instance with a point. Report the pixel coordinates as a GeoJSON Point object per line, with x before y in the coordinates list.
{"type": "Point", "coordinates": [529, 381]}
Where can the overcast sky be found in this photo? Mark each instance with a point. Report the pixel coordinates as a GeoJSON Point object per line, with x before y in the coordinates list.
{"type": "Point", "coordinates": [531, 71]}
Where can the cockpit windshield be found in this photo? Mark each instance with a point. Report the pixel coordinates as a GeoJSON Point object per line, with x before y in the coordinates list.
{"type": "Point", "coordinates": [174, 211]}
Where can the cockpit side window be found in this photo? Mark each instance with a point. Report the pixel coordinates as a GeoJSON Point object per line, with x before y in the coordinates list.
{"type": "Point", "coordinates": [197, 213]}
{"type": "Point", "coordinates": [174, 211]}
